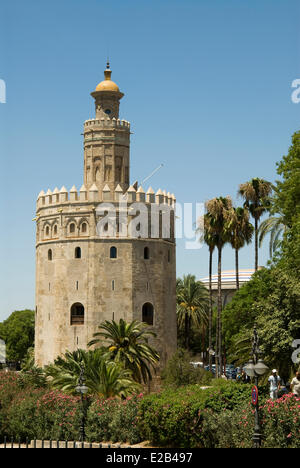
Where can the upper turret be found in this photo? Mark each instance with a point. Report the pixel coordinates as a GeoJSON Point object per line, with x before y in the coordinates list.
{"type": "Point", "coordinates": [107, 97]}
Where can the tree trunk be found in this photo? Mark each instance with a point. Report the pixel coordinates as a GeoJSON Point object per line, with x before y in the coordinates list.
{"type": "Point", "coordinates": [220, 308]}
{"type": "Point", "coordinates": [237, 269]}
{"type": "Point", "coordinates": [256, 244]}
{"type": "Point", "coordinates": [210, 314]}
{"type": "Point", "coordinates": [186, 330]}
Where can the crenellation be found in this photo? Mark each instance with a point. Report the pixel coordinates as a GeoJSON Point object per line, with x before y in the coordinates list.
{"type": "Point", "coordinates": [107, 123]}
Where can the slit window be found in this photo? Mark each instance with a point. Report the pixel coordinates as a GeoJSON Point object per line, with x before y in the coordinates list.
{"type": "Point", "coordinates": [50, 255]}
{"type": "Point", "coordinates": [78, 252]}
{"type": "Point", "coordinates": [146, 253]}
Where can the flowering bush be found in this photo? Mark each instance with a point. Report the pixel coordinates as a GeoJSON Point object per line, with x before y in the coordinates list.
{"type": "Point", "coordinates": [175, 417]}
{"type": "Point", "coordinates": [281, 422]}
{"type": "Point", "coordinates": [114, 419]}
{"type": "Point", "coordinates": [220, 416]}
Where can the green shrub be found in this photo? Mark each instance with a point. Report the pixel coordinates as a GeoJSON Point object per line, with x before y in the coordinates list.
{"type": "Point", "coordinates": [175, 417]}
{"type": "Point", "coordinates": [114, 420]}
{"type": "Point", "coordinates": [124, 425]}
{"type": "Point", "coordinates": [179, 371]}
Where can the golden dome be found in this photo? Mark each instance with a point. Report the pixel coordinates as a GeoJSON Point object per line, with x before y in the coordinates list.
{"type": "Point", "coordinates": [108, 84]}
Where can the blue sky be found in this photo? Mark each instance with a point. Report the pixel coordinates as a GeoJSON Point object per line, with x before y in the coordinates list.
{"type": "Point", "coordinates": [207, 91]}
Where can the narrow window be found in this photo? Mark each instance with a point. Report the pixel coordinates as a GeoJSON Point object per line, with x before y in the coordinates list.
{"type": "Point", "coordinates": [78, 252]}
{"type": "Point", "coordinates": [83, 228]}
{"type": "Point", "coordinates": [113, 285]}
{"type": "Point", "coordinates": [77, 285]}
{"type": "Point", "coordinates": [148, 313]}
{"type": "Point", "coordinates": [47, 231]}
{"type": "Point", "coordinates": [55, 230]}
{"type": "Point", "coordinates": [113, 252]}
{"type": "Point", "coordinates": [72, 228]}
{"type": "Point", "coordinates": [146, 253]}
{"type": "Point", "coordinates": [77, 314]}
{"type": "Point", "coordinates": [50, 256]}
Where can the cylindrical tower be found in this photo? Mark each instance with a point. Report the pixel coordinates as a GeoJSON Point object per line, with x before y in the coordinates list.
{"type": "Point", "coordinates": [83, 278]}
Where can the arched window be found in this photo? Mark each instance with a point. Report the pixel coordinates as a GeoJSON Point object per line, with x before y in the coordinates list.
{"type": "Point", "coordinates": [113, 252]}
{"type": "Point", "coordinates": [55, 230]}
{"type": "Point", "coordinates": [77, 314]}
{"type": "Point", "coordinates": [148, 313]}
{"type": "Point", "coordinates": [47, 231]}
{"type": "Point", "coordinates": [50, 256]}
{"type": "Point", "coordinates": [84, 228]}
{"type": "Point", "coordinates": [146, 253]}
{"type": "Point", "coordinates": [72, 228]}
{"type": "Point", "coordinates": [78, 252]}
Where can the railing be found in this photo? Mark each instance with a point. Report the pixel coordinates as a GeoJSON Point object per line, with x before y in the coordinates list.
{"type": "Point", "coordinates": [10, 443]}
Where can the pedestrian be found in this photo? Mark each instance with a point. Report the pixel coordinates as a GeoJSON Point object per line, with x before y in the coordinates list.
{"type": "Point", "coordinates": [295, 385]}
{"type": "Point", "coordinates": [245, 378]}
{"type": "Point", "coordinates": [274, 381]}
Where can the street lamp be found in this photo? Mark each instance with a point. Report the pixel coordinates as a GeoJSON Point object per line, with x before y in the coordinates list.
{"type": "Point", "coordinates": [256, 368]}
{"type": "Point", "coordinates": [82, 389]}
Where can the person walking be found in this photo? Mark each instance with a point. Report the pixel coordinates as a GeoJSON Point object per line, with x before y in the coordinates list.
{"type": "Point", "coordinates": [295, 385]}
{"type": "Point", "coordinates": [274, 381]}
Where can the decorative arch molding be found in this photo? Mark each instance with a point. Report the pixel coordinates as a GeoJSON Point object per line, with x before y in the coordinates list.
{"type": "Point", "coordinates": [68, 227]}
{"type": "Point", "coordinates": [84, 227]}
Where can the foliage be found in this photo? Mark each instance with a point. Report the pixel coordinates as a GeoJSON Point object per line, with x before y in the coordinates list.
{"type": "Point", "coordinates": [174, 417]}
{"type": "Point", "coordinates": [272, 300]}
{"type": "Point", "coordinates": [280, 422]}
{"type": "Point", "coordinates": [274, 225]}
{"type": "Point", "coordinates": [287, 191]}
{"type": "Point", "coordinates": [192, 305]}
{"type": "Point", "coordinates": [128, 346]}
{"type": "Point", "coordinates": [114, 420]}
{"type": "Point", "coordinates": [27, 412]}
{"type": "Point", "coordinates": [18, 333]}
{"type": "Point", "coordinates": [102, 377]}
{"type": "Point", "coordinates": [179, 371]}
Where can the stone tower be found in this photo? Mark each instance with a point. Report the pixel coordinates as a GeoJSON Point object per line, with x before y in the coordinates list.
{"type": "Point", "coordinates": [92, 266]}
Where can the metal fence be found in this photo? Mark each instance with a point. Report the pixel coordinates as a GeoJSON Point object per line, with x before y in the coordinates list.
{"type": "Point", "coordinates": [11, 443]}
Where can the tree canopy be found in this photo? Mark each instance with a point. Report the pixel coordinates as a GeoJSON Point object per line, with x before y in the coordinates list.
{"type": "Point", "coordinates": [18, 333]}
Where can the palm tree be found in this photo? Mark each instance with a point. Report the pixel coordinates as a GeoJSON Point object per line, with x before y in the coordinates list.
{"type": "Point", "coordinates": [217, 215]}
{"type": "Point", "coordinates": [128, 345]}
{"type": "Point", "coordinates": [256, 194]}
{"type": "Point", "coordinates": [192, 305]}
{"type": "Point", "coordinates": [241, 233]}
{"type": "Point", "coordinates": [210, 240]}
{"type": "Point", "coordinates": [275, 225]}
{"type": "Point", "coordinates": [103, 378]}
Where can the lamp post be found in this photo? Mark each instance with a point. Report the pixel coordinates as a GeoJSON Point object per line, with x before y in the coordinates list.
{"type": "Point", "coordinates": [256, 368]}
{"type": "Point", "coordinates": [82, 389]}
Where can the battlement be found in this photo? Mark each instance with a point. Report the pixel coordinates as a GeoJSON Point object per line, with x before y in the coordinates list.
{"type": "Point", "coordinates": [93, 195]}
{"type": "Point", "coordinates": [106, 123]}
